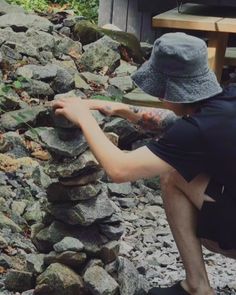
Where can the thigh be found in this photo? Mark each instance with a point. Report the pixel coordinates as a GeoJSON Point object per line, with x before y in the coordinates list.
{"type": "Point", "coordinates": [194, 190]}
{"type": "Point", "coordinates": [217, 213]}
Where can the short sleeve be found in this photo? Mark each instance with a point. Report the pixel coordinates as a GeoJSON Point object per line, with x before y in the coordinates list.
{"type": "Point", "coordinates": [182, 147]}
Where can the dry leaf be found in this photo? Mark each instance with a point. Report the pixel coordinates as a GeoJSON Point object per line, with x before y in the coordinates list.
{"type": "Point", "coordinates": [10, 251]}
{"type": "Point", "coordinates": [74, 54]}
{"type": "Point", "coordinates": [2, 270]}
{"type": "Point", "coordinates": [57, 7]}
{"type": "Point", "coordinates": [104, 70]}
{"type": "Point", "coordinates": [41, 155]}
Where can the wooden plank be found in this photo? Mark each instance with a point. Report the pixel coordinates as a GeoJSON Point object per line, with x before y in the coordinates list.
{"type": "Point", "coordinates": [230, 56]}
{"type": "Point", "coordinates": [120, 14]}
{"type": "Point", "coordinates": [105, 12]}
{"type": "Point", "coordinates": [147, 32]}
{"type": "Point", "coordinates": [217, 43]}
{"type": "Point", "coordinates": [227, 25]}
{"type": "Point", "coordinates": [134, 20]}
{"type": "Point", "coordinates": [190, 19]}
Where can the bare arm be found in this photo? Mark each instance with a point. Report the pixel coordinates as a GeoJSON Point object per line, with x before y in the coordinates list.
{"type": "Point", "coordinates": [149, 119]}
{"type": "Point", "coordinates": [119, 165]}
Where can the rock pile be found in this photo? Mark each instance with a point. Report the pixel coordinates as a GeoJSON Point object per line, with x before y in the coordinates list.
{"type": "Point", "coordinates": [81, 229]}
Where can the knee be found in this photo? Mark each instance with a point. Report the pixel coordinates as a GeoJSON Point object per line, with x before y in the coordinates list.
{"type": "Point", "coordinates": [168, 183]}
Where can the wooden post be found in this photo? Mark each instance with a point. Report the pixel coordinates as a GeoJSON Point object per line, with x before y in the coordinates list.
{"type": "Point", "coordinates": [217, 43]}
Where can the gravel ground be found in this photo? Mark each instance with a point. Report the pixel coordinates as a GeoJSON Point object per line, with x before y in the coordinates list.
{"type": "Point", "coordinates": [149, 244]}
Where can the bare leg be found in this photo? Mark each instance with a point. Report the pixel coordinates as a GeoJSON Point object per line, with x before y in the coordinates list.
{"type": "Point", "coordinates": [181, 210]}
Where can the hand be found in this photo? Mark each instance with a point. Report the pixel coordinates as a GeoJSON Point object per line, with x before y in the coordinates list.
{"type": "Point", "coordinates": [72, 108]}
{"type": "Point", "coordinates": [108, 108]}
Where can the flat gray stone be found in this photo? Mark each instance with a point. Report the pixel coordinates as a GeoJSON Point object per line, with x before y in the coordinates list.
{"type": "Point", "coordinates": [69, 258]}
{"type": "Point", "coordinates": [68, 244]}
{"type": "Point", "coordinates": [99, 282]}
{"type": "Point", "coordinates": [49, 138]}
{"type": "Point", "coordinates": [10, 55]}
{"type": "Point", "coordinates": [97, 56]}
{"type": "Point", "coordinates": [80, 83]}
{"type": "Point", "coordinates": [112, 232]}
{"type": "Point", "coordinates": [57, 192]}
{"type": "Point", "coordinates": [84, 213]}
{"type": "Point", "coordinates": [6, 8]}
{"type": "Point", "coordinates": [6, 222]}
{"type": "Point", "coordinates": [123, 83]}
{"type": "Point", "coordinates": [40, 40]}
{"type": "Point", "coordinates": [3, 243]}
{"type": "Point", "coordinates": [59, 279]}
{"type": "Point", "coordinates": [19, 280]}
{"type": "Point", "coordinates": [22, 21]}
{"type": "Point", "coordinates": [81, 166]}
{"type": "Point", "coordinates": [21, 118]}
{"type": "Point", "coordinates": [125, 69]}
{"type": "Point", "coordinates": [104, 41]}
{"type": "Point", "coordinates": [36, 88]}
{"type": "Point", "coordinates": [35, 263]}
{"type": "Point", "coordinates": [130, 281]}
{"type": "Point", "coordinates": [63, 82]}
{"type": "Point", "coordinates": [89, 236]}
{"type": "Point", "coordinates": [97, 79]}
{"type": "Point", "coordinates": [66, 45]}
{"type": "Point", "coordinates": [110, 251]}
{"type": "Point", "coordinates": [123, 189]}
{"type": "Point", "coordinates": [127, 132]}
{"type": "Point", "coordinates": [5, 261]}
{"type": "Point", "coordinates": [38, 72]}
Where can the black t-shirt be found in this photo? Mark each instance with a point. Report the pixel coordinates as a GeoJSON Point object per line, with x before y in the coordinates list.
{"type": "Point", "coordinates": [204, 142]}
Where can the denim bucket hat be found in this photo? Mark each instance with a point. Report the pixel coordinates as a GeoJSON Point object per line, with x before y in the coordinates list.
{"type": "Point", "coordinates": [177, 70]}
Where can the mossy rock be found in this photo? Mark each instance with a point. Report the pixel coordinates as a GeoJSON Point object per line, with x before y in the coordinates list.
{"type": "Point", "coordinates": [86, 33]}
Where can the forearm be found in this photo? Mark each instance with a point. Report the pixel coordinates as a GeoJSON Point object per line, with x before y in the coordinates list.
{"type": "Point", "coordinates": [120, 166]}
{"type": "Point", "coordinates": [150, 119]}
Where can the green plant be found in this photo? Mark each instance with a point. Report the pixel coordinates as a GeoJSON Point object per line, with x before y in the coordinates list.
{"type": "Point", "coordinates": [86, 8]}
{"type": "Point", "coordinates": [36, 5]}
{"type": "Point", "coordinates": [89, 9]}
{"type": "Point", "coordinates": [17, 84]}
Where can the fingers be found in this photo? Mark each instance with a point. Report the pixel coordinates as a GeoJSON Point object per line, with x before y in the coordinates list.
{"type": "Point", "coordinates": [59, 112]}
{"type": "Point", "coordinates": [58, 104]}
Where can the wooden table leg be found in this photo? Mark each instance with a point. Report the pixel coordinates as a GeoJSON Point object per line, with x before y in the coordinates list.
{"type": "Point", "coordinates": [217, 43]}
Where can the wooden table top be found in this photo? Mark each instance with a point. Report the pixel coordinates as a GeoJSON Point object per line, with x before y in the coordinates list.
{"type": "Point", "coordinates": [198, 17]}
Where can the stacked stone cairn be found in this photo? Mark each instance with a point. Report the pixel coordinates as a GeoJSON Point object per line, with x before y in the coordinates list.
{"type": "Point", "coordinates": [79, 237]}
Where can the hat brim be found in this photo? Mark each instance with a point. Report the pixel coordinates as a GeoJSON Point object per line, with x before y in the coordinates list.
{"type": "Point", "coordinates": [173, 89]}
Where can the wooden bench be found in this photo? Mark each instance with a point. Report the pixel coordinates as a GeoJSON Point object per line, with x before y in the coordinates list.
{"type": "Point", "coordinates": [230, 56]}
{"type": "Point", "coordinates": [217, 24]}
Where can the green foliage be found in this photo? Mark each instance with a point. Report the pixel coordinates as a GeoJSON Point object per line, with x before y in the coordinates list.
{"type": "Point", "coordinates": [37, 5]}
{"type": "Point", "coordinates": [17, 84]}
{"type": "Point", "coordinates": [89, 9]}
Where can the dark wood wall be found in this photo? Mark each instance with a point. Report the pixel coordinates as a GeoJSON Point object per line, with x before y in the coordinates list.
{"type": "Point", "coordinates": [130, 17]}
{"type": "Point", "coordinates": [135, 16]}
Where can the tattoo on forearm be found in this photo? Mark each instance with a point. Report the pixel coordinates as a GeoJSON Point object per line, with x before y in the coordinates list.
{"type": "Point", "coordinates": [154, 119]}
{"type": "Point", "coordinates": [135, 109]}
{"type": "Point", "coordinates": [108, 108]}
